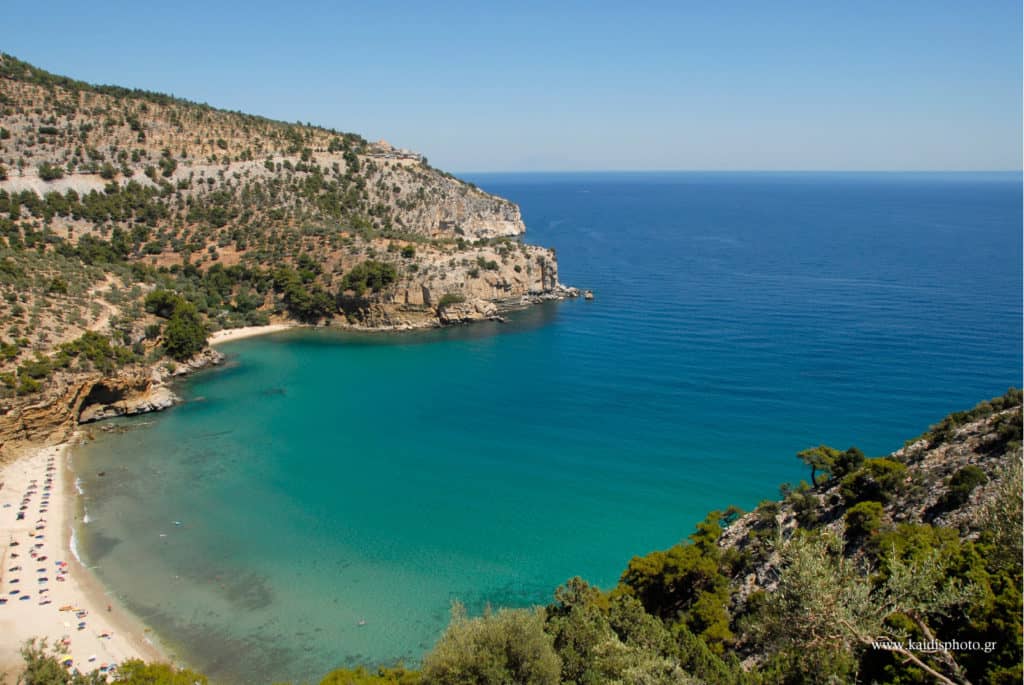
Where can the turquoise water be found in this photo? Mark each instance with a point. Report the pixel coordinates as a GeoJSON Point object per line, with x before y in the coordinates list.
{"type": "Point", "coordinates": [324, 479]}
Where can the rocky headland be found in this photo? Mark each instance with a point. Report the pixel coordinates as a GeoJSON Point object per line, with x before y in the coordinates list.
{"type": "Point", "coordinates": [133, 224]}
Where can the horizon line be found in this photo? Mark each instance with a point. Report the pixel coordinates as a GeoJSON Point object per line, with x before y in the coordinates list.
{"type": "Point", "coordinates": [739, 171]}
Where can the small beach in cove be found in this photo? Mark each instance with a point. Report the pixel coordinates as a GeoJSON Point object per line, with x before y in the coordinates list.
{"type": "Point", "coordinates": [228, 335]}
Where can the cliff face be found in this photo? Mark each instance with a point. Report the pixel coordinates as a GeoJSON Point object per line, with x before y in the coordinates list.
{"type": "Point", "coordinates": [70, 400]}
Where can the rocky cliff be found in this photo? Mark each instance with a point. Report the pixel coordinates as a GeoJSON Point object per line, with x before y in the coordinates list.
{"type": "Point", "coordinates": [70, 400]}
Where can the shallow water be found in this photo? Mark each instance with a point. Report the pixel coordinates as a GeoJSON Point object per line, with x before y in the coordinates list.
{"type": "Point", "coordinates": [325, 479]}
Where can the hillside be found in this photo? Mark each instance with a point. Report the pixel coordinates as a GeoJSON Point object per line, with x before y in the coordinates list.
{"type": "Point", "coordinates": [147, 221]}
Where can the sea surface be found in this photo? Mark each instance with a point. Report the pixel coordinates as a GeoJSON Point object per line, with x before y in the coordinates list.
{"type": "Point", "coordinates": [323, 499]}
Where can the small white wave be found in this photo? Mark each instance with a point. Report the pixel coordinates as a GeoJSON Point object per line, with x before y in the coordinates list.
{"type": "Point", "coordinates": [78, 486]}
{"type": "Point", "coordinates": [85, 516]}
{"type": "Point", "coordinates": [74, 547]}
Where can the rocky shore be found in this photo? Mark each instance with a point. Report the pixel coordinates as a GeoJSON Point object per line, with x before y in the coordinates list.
{"type": "Point", "coordinates": [50, 417]}
{"type": "Point", "coordinates": [70, 400]}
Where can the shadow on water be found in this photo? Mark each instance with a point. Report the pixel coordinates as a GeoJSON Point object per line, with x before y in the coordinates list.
{"type": "Point", "coordinates": [518, 321]}
{"type": "Point", "coordinates": [225, 655]}
{"type": "Point", "coordinates": [98, 544]}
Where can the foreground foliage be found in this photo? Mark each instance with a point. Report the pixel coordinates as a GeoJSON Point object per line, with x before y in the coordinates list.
{"type": "Point", "coordinates": [504, 647]}
{"type": "Point", "coordinates": [43, 667]}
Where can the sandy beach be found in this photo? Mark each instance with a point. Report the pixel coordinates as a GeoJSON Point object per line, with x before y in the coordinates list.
{"type": "Point", "coordinates": [44, 591]}
{"type": "Point", "coordinates": [246, 332]}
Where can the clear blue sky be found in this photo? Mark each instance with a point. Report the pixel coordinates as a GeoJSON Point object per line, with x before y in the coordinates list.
{"type": "Point", "coordinates": [479, 86]}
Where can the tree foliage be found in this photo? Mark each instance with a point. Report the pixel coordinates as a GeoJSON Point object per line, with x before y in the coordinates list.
{"type": "Point", "coordinates": [378, 676]}
{"type": "Point", "coordinates": [876, 480]}
{"type": "Point", "coordinates": [185, 333]}
{"type": "Point", "coordinates": [42, 666]}
{"type": "Point", "coordinates": [686, 583]}
{"type": "Point", "coordinates": [827, 610]}
{"type": "Point", "coordinates": [507, 646]}
{"type": "Point", "coordinates": [305, 302]}
{"type": "Point", "coordinates": [369, 275]}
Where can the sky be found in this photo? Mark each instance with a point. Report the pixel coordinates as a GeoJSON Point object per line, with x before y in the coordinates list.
{"type": "Point", "coordinates": [544, 86]}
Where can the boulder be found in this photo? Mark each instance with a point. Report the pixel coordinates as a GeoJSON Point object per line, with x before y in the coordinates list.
{"type": "Point", "coordinates": [464, 312]}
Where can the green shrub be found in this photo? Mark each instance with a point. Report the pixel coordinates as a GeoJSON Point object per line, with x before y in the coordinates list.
{"type": "Point", "coordinates": [378, 676]}
{"type": "Point", "coordinates": [450, 298]}
{"type": "Point", "coordinates": [58, 286]}
{"type": "Point", "coordinates": [8, 351]}
{"type": "Point", "coordinates": [136, 672]}
{"type": "Point", "coordinates": [308, 303]}
{"type": "Point", "coordinates": [185, 333]}
{"type": "Point", "coordinates": [863, 519]}
{"type": "Point", "coordinates": [97, 349]}
{"type": "Point", "coordinates": [806, 504]}
{"type": "Point", "coordinates": [485, 264]}
{"type": "Point", "coordinates": [37, 368]}
{"type": "Point", "coordinates": [877, 480]}
{"type": "Point", "coordinates": [42, 666]}
{"type": "Point", "coordinates": [509, 646]}
{"type": "Point", "coordinates": [369, 275]}
{"type": "Point", "coordinates": [847, 462]}
{"type": "Point", "coordinates": [685, 582]}
{"type": "Point", "coordinates": [961, 485]}
{"type": "Point", "coordinates": [162, 303]}
{"type": "Point", "coordinates": [50, 172]}
{"type": "Point", "coordinates": [27, 386]}
{"type": "Point", "coordinates": [609, 640]}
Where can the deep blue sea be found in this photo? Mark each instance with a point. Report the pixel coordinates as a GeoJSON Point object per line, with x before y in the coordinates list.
{"type": "Point", "coordinates": [322, 480]}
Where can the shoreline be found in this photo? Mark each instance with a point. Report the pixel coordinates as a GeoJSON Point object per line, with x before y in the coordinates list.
{"type": "Point", "coordinates": [39, 615]}
{"type": "Point", "coordinates": [229, 334]}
